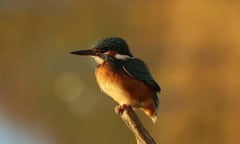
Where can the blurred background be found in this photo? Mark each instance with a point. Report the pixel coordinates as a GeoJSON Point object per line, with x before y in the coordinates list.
{"type": "Point", "coordinates": [48, 96]}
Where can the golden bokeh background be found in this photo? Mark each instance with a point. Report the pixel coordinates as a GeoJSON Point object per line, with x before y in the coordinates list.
{"type": "Point", "coordinates": [191, 47]}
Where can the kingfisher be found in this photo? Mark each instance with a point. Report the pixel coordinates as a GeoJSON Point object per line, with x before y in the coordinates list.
{"type": "Point", "coordinates": [123, 77]}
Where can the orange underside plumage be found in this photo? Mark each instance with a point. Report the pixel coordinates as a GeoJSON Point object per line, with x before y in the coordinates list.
{"type": "Point", "coordinates": [124, 89]}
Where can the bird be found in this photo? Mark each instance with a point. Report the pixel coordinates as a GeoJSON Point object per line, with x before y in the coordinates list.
{"type": "Point", "coordinates": [123, 77]}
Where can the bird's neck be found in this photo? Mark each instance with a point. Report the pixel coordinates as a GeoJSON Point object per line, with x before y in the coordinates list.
{"type": "Point", "coordinates": [111, 61]}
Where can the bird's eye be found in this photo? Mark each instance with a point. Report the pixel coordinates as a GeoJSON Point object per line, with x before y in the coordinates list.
{"type": "Point", "coordinates": [100, 50]}
{"type": "Point", "coordinates": [103, 50]}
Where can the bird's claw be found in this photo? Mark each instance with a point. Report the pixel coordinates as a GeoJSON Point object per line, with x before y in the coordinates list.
{"type": "Point", "coordinates": [120, 109]}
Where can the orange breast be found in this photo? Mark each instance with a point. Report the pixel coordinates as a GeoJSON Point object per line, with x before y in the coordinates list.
{"type": "Point", "coordinates": [123, 88]}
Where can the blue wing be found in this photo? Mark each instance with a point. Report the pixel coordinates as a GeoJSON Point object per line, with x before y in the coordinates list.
{"type": "Point", "coordinates": [138, 70]}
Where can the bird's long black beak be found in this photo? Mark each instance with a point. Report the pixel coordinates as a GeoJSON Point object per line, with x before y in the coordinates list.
{"type": "Point", "coordinates": [88, 52]}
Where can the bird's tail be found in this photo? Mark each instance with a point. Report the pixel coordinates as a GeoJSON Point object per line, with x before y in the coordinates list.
{"type": "Point", "coordinates": [151, 113]}
{"type": "Point", "coordinates": [154, 117]}
{"type": "Point", "coordinates": [156, 103]}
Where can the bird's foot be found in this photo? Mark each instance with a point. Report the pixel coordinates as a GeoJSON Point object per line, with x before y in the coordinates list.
{"type": "Point", "coordinates": [120, 108]}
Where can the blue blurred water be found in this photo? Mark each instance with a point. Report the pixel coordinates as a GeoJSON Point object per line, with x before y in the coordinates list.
{"type": "Point", "coordinates": [11, 133]}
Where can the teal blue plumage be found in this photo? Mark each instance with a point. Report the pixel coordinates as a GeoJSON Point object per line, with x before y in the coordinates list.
{"type": "Point", "coordinates": [138, 70]}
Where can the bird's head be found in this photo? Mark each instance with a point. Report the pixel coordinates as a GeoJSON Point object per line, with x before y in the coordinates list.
{"type": "Point", "coordinates": [113, 47]}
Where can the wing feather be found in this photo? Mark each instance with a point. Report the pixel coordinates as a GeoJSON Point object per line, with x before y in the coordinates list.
{"type": "Point", "coordinates": [137, 69]}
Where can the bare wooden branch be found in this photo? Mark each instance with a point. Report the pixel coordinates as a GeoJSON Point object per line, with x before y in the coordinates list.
{"type": "Point", "coordinates": [134, 124]}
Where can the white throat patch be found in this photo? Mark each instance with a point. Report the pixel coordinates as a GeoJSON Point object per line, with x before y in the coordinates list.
{"type": "Point", "coordinates": [98, 60]}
